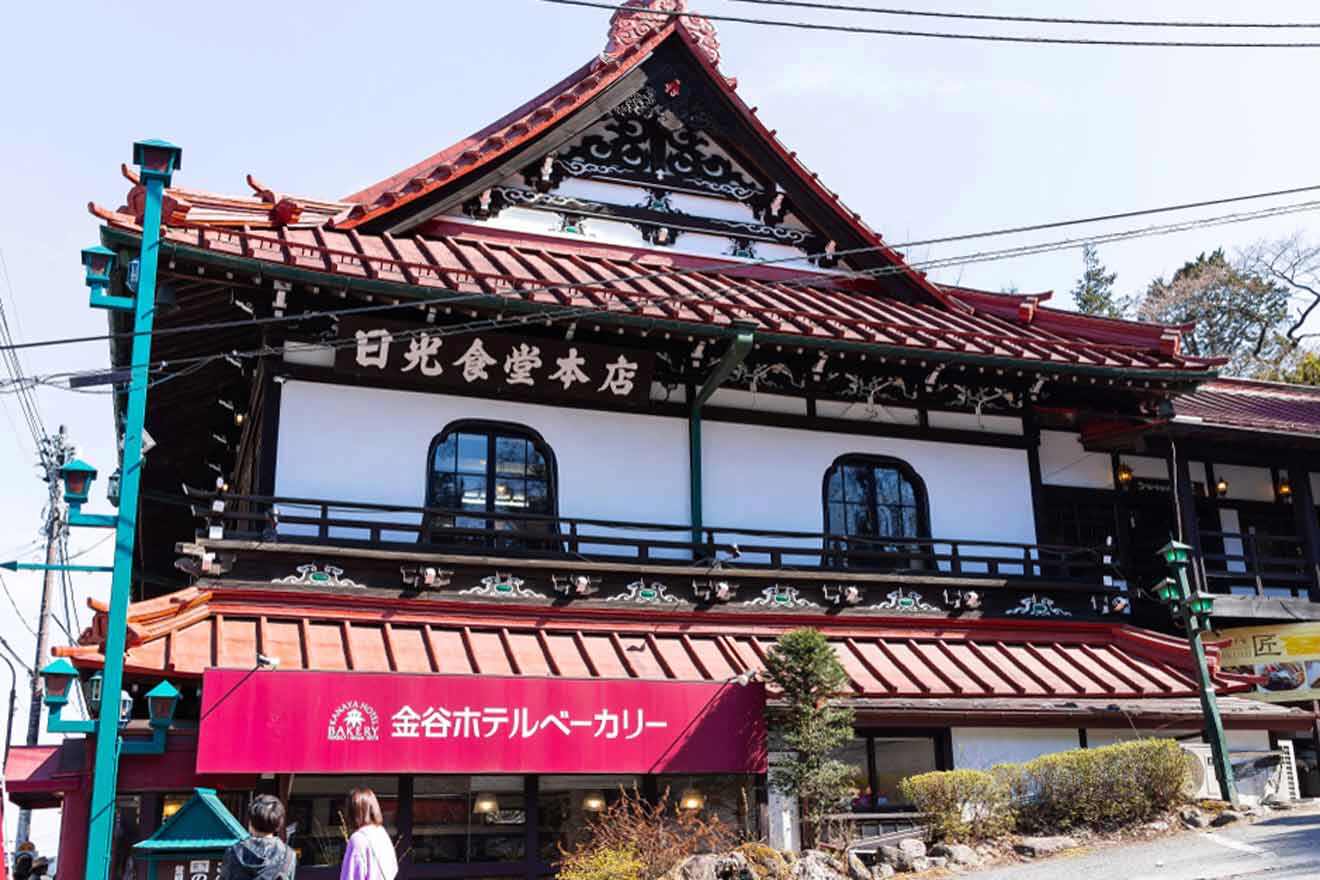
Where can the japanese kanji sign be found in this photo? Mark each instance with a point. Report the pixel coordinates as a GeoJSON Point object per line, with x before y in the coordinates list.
{"type": "Point", "coordinates": [345, 722]}
{"type": "Point", "coordinates": [493, 363]}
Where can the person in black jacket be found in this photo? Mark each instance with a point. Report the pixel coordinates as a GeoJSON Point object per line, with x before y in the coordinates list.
{"type": "Point", "coordinates": [263, 856]}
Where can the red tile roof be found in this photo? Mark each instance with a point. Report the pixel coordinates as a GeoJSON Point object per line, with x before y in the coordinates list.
{"type": "Point", "coordinates": [186, 632]}
{"type": "Point", "coordinates": [555, 272]}
{"type": "Point", "coordinates": [1250, 405]}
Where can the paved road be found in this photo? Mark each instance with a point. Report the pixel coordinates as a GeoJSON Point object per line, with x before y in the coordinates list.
{"type": "Point", "coordinates": [1282, 846]}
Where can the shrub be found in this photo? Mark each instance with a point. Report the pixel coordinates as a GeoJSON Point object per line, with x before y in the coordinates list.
{"type": "Point", "coordinates": [1102, 788]}
{"type": "Point", "coordinates": [605, 863]}
{"type": "Point", "coordinates": [658, 836]}
{"type": "Point", "coordinates": [960, 804]}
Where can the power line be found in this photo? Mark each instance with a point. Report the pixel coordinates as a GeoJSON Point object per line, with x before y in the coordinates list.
{"type": "Point", "coordinates": [4, 643]}
{"type": "Point", "coordinates": [18, 612]}
{"type": "Point", "coordinates": [943, 35]}
{"type": "Point", "coordinates": [1032, 19]}
{"type": "Point", "coordinates": [668, 273]}
{"type": "Point", "coordinates": [580, 312]}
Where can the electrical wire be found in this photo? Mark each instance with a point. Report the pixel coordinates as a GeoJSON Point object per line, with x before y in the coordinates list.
{"type": "Point", "coordinates": [4, 643]}
{"type": "Point", "coordinates": [21, 618]}
{"type": "Point", "coordinates": [579, 312]}
{"type": "Point", "coordinates": [944, 35]}
{"type": "Point", "coordinates": [670, 273]}
{"type": "Point", "coordinates": [1031, 19]}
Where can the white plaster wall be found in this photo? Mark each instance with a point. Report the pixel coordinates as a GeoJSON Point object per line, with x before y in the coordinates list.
{"type": "Point", "coordinates": [1144, 466]}
{"type": "Point", "coordinates": [1063, 462]}
{"type": "Point", "coordinates": [1249, 740]}
{"type": "Point", "coordinates": [973, 422]}
{"type": "Point", "coordinates": [370, 445]}
{"type": "Point", "coordinates": [1247, 483]}
{"type": "Point", "coordinates": [772, 478]}
{"type": "Point", "coordinates": [980, 748]}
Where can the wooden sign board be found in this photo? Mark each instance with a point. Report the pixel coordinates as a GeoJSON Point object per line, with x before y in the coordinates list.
{"type": "Point", "coordinates": [493, 364]}
{"type": "Point", "coordinates": [184, 868]}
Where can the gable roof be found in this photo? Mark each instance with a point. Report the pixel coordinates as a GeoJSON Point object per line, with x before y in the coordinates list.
{"type": "Point", "coordinates": [351, 238]}
{"type": "Point", "coordinates": [1252, 405]}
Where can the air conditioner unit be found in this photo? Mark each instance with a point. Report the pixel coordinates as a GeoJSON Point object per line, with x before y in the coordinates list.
{"type": "Point", "coordinates": [1201, 782]}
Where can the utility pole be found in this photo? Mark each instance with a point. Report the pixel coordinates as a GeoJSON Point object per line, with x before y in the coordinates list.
{"type": "Point", "coordinates": [54, 452]}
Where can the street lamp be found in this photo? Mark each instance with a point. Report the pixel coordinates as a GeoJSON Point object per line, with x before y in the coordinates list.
{"type": "Point", "coordinates": [1192, 610]}
{"type": "Point", "coordinates": [57, 680]}
{"type": "Point", "coordinates": [98, 264]}
{"type": "Point", "coordinates": [78, 477]}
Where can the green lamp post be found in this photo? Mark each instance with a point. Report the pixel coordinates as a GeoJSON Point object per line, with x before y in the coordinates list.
{"type": "Point", "coordinates": [1193, 610]}
{"type": "Point", "coordinates": [157, 161]}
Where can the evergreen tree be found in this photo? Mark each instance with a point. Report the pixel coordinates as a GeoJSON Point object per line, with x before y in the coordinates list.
{"type": "Point", "coordinates": [1094, 292]}
{"type": "Point", "coordinates": [810, 678]}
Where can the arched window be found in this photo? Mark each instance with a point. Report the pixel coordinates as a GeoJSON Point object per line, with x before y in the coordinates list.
{"type": "Point", "coordinates": [490, 468]}
{"type": "Point", "coordinates": [869, 496]}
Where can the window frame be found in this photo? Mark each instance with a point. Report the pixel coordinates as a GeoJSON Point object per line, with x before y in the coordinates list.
{"type": "Point", "coordinates": [904, 469]}
{"type": "Point", "coordinates": [492, 428]}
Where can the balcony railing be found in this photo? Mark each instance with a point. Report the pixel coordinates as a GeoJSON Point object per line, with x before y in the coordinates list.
{"type": "Point", "coordinates": [1253, 562]}
{"type": "Point", "coordinates": [523, 535]}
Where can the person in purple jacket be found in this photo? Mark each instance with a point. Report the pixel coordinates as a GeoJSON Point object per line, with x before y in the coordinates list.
{"type": "Point", "coordinates": [370, 853]}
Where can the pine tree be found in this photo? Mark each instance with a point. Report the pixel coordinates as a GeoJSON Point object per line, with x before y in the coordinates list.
{"type": "Point", "coordinates": [810, 679]}
{"type": "Point", "coordinates": [1094, 292]}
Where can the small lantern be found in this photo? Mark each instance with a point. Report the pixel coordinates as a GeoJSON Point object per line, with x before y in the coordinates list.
{"type": "Point", "coordinates": [1167, 590]}
{"type": "Point", "coordinates": [1176, 553]}
{"type": "Point", "coordinates": [78, 476]}
{"type": "Point", "coordinates": [1221, 487]}
{"type": "Point", "coordinates": [691, 800]}
{"type": "Point", "coordinates": [1124, 474]}
{"type": "Point", "coordinates": [125, 707]}
{"type": "Point", "coordinates": [162, 700]}
{"type": "Point", "coordinates": [1201, 604]}
{"type": "Point", "coordinates": [112, 486]}
{"type": "Point", "coordinates": [593, 801]}
{"type": "Point", "coordinates": [1284, 489]}
{"type": "Point", "coordinates": [98, 262]}
{"type": "Point", "coordinates": [57, 678]}
{"type": "Point", "coordinates": [157, 158]}
{"type": "Point", "coordinates": [92, 693]}
{"type": "Point", "coordinates": [485, 804]}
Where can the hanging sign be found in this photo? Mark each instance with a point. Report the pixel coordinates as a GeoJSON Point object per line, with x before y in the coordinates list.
{"type": "Point", "coordinates": [360, 722]}
{"type": "Point", "coordinates": [493, 364]}
{"type": "Point", "coordinates": [1286, 658]}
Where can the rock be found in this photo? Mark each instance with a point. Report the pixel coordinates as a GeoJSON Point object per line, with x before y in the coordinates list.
{"type": "Point", "coordinates": [956, 853]}
{"type": "Point", "coordinates": [1158, 825]}
{"type": "Point", "coordinates": [882, 871]}
{"type": "Point", "coordinates": [815, 865]}
{"type": "Point", "coordinates": [1227, 817]}
{"type": "Point", "coordinates": [912, 848]}
{"type": "Point", "coordinates": [938, 861]}
{"type": "Point", "coordinates": [857, 869]}
{"type": "Point", "coordinates": [1192, 817]}
{"type": "Point", "coordinates": [765, 861]}
{"type": "Point", "coordinates": [890, 855]}
{"type": "Point", "coordinates": [1044, 846]}
{"type": "Point", "coordinates": [700, 867]}
{"type": "Point", "coordinates": [1280, 805]}
{"type": "Point", "coordinates": [920, 863]}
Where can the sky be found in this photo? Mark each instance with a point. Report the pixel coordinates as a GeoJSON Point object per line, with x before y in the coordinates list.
{"type": "Point", "coordinates": [925, 138]}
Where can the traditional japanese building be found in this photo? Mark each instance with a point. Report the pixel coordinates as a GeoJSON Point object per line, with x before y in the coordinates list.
{"type": "Point", "coordinates": [493, 484]}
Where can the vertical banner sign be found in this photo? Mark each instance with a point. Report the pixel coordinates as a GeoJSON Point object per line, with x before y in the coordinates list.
{"type": "Point", "coordinates": [359, 722]}
{"type": "Point", "coordinates": [493, 364]}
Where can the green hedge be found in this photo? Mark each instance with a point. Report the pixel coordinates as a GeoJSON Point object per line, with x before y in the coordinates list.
{"type": "Point", "coordinates": [1102, 788]}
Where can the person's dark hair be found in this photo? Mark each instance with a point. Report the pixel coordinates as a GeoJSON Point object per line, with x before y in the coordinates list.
{"type": "Point", "coordinates": [266, 814]}
{"type": "Point", "coordinates": [362, 809]}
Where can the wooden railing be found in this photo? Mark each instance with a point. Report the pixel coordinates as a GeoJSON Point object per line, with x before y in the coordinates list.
{"type": "Point", "coordinates": [511, 534]}
{"type": "Point", "coordinates": [1254, 561]}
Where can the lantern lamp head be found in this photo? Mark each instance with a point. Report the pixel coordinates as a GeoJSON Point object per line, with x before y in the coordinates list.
{"type": "Point", "coordinates": [78, 476]}
{"type": "Point", "coordinates": [92, 693]}
{"type": "Point", "coordinates": [593, 801]}
{"type": "Point", "coordinates": [1284, 490]}
{"type": "Point", "coordinates": [1201, 604]}
{"type": "Point", "coordinates": [1167, 590]}
{"type": "Point", "coordinates": [112, 486]}
{"type": "Point", "coordinates": [485, 803]}
{"type": "Point", "coordinates": [125, 707]}
{"type": "Point", "coordinates": [1221, 487]}
{"type": "Point", "coordinates": [57, 676]}
{"type": "Point", "coordinates": [1124, 474]}
{"type": "Point", "coordinates": [1176, 553]}
{"type": "Point", "coordinates": [98, 262]}
{"type": "Point", "coordinates": [162, 700]}
{"type": "Point", "coordinates": [157, 158]}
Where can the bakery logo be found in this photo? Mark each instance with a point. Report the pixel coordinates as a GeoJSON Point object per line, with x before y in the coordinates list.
{"type": "Point", "coordinates": [354, 721]}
